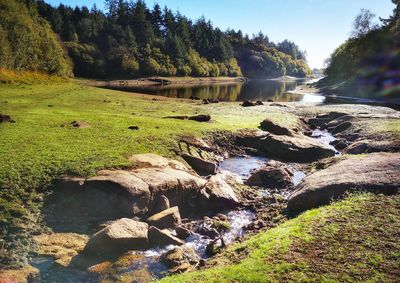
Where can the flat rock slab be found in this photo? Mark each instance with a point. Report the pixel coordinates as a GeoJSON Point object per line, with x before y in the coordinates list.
{"type": "Point", "coordinates": [120, 236]}
{"type": "Point", "coordinates": [298, 148]}
{"type": "Point", "coordinates": [377, 172]}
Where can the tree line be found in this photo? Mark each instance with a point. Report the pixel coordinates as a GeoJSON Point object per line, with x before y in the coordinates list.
{"type": "Point", "coordinates": [133, 40]}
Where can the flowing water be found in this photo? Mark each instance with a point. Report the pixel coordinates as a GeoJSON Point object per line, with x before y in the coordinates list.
{"type": "Point", "coordinates": [260, 89]}
{"type": "Point", "coordinates": [325, 137]}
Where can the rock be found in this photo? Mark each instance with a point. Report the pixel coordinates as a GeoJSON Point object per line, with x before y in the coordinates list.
{"type": "Point", "coordinates": [215, 247]}
{"type": "Point", "coordinates": [201, 166]}
{"type": "Point", "coordinates": [273, 128]}
{"type": "Point", "coordinates": [5, 119]}
{"type": "Point", "coordinates": [332, 115]}
{"type": "Point", "coordinates": [182, 232]}
{"type": "Point", "coordinates": [369, 146]}
{"type": "Point", "coordinates": [298, 148]}
{"type": "Point", "coordinates": [247, 103]}
{"type": "Point", "coordinates": [211, 233]}
{"type": "Point", "coordinates": [116, 193]}
{"type": "Point", "coordinates": [119, 237]}
{"type": "Point", "coordinates": [342, 127]}
{"type": "Point", "coordinates": [133, 128]}
{"type": "Point", "coordinates": [273, 175]}
{"type": "Point", "coordinates": [176, 185]}
{"type": "Point", "coordinates": [222, 217]}
{"type": "Point", "coordinates": [336, 122]}
{"type": "Point", "coordinates": [153, 160]}
{"type": "Point", "coordinates": [130, 267]}
{"type": "Point", "coordinates": [196, 142]}
{"type": "Point", "coordinates": [168, 218]}
{"type": "Point", "coordinates": [177, 117]}
{"type": "Point", "coordinates": [79, 124]}
{"type": "Point", "coordinates": [376, 172]}
{"type": "Point", "coordinates": [180, 259]}
{"type": "Point", "coordinates": [22, 274]}
{"type": "Point", "coordinates": [217, 194]}
{"type": "Point", "coordinates": [339, 144]}
{"type": "Point", "coordinates": [161, 238]}
{"type": "Point", "coordinates": [161, 204]}
{"type": "Point", "coordinates": [250, 139]}
{"type": "Point", "coordinates": [259, 102]}
{"type": "Point", "coordinates": [320, 123]}
{"type": "Point", "coordinates": [200, 118]}
{"type": "Point", "coordinates": [62, 246]}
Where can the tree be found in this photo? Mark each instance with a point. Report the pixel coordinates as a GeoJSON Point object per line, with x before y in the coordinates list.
{"type": "Point", "coordinates": [363, 23]}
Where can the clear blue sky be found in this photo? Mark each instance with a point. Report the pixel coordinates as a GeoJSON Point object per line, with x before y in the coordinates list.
{"type": "Point", "coordinates": [317, 26]}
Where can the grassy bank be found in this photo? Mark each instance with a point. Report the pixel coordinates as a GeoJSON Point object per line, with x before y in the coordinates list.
{"type": "Point", "coordinates": [349, 241]}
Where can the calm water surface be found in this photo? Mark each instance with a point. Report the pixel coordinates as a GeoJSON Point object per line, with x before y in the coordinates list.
{"type": "Point", "coordinates": [261, 89]}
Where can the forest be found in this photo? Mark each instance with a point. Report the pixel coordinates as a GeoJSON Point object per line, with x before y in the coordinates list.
{"type": "Point", "coordinates": [131, 40]}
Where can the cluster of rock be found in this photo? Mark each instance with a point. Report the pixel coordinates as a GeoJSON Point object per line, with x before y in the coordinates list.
{"type": "Point", "coordinates": [284, 144]}
{"type": "Point", "coordinates": [144, 203]}
{"type": "Point", "coordinates": [375, 172]}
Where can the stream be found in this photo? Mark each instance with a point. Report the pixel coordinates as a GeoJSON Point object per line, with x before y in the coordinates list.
{"type": "Point", "coordinates": [242, 166]}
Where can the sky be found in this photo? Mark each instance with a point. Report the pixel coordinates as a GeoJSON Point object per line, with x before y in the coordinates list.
{"type": "Point", "coordinates": [317, 26]}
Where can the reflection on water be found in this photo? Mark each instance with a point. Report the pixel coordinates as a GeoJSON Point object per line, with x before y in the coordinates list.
{"type": "Point", "coordinates": [261, 89]}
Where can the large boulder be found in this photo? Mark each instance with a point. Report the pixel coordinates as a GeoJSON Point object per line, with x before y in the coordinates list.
{"type": "Point", "coordinates": [120, 236]}
{"type": "Point", "coordinates": [218, 194]}
{"type": "Point", "coordinates": [377, 172]}
{"type": "Point", "coordinates": [176, 185]}
{"type": "Point", "coordinates": [274, 128]}
{"type": "Point", "coordinates": [273, 175]}
{"type": "Point", "coordinates": [201, 166]}
{"type": "Point", "coordinates": [117, 193]}
{"type": "Point", "coordinates": [168, 218]}
{"type": "Point", "coordinates": [161, 238]}
{"type": "Point", "coordinates": [298, 148]}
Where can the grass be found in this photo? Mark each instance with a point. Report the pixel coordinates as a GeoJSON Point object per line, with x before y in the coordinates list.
{"type": "Point", "coordinates": [42, 144]}
{"type": "Point", "coordinates": [353, 240]}
{"type": "Point", "coordinates": [27, 77]}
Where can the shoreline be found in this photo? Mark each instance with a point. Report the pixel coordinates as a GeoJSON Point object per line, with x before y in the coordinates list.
{"type": "Point", "coordinates": [157, 81]}
{"type": "Point", "coordinates": [333, 98]}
